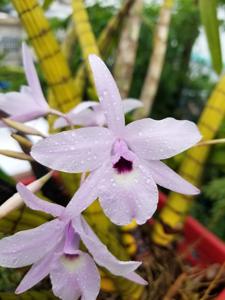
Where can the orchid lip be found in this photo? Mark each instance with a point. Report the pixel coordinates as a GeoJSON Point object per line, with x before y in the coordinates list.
{"type": "Point", "coordinates": [123, 165]}
{"type": "Point", "coordinates": [71, 256]}
{"type": "Point", "coordinates": [72, 241]}
{"type": "Point", "coordinates": [3, 114]}
{"type": "Point", "coordinates": [123, 157]}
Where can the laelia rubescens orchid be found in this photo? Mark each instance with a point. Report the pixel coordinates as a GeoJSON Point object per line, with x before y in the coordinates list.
{"type": "Point", "coordinates": [124, 160]}
{"type": "Point", "coordinates": [29, 103]}
{"type": "Point", "coordinates": [53, 248]}
{"type": "Point", "coordinates": [90, 113]}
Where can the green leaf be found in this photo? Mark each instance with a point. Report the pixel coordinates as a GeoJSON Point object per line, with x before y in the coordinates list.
{"type": "Point", "coordinates": [46, 4]}
{"type": "Point", "coordinates": [208, 12]}
{"type": "Point", "coordinates": [6, 178]}
{"type": "Point", "coordinates": [22, 219]}
{"type": "Point", "coordinates": [30, 295]}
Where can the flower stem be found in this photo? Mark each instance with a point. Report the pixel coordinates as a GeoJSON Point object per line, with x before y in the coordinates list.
{"type": "Point", "coordinates": [16, 201]}
{"type": "Point", "coordinates": [211, 142]}
{"type": "Point", "coordinates": [57, 113]}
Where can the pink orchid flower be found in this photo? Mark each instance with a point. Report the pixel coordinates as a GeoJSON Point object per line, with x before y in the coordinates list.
{"type": "Point", "coordinates": [124, 160]}
{"type": "Point", "coordinates": [90, 113]}
{"type": "Point", "coordinates": [53, 248]}
{"type": "Point", "coordinates": [29, 103]}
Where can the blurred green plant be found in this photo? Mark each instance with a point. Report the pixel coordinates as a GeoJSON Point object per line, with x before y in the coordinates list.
{"type": "Point", "coordinates": [11, 78]}
{"type": "Point", "coordinates": [47, 4]}
{"type": "Point", "coordinates": [9, 279]}
{"type": "Point", "coordinates": [30, 295]}
{"type": "Point", "coordinates": [210, 209]}
{"type": "Point", "coordinates": [208, 12]}
{"type": "Point", "coordinates": [181, 95]}
{"type": "Point", "coordinates": [3, 4]}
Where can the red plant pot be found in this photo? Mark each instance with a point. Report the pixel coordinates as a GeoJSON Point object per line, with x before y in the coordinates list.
{"type": "Point", "coordinates": [208, 248]}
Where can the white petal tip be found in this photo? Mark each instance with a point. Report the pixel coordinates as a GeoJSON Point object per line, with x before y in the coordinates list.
{"type": "Point", "coordinates": [18, 291]}
{"type": "Point", "coordinates": [136, 264]}
{"type": "Point", "coordinates": [143, 282]}
{"type": "Point", "coordinates": [196, 192]}
{"type": "Point", "coordinates": [92, 58]}
{"type": "Point", "coordinates": [19, 185]}
{"type": "Point", "coordinates": [95, 60]}
{"type": "Point", "coordinates": [24, 45]}
{"type": "Point", "coordinates": [141, 222]}
{"type": "Point", "coordinates": [192, 191]}
{"type": "Point", "coordinates": [25, 50]}
{"type": "Point", "coordinates": [56, 124]}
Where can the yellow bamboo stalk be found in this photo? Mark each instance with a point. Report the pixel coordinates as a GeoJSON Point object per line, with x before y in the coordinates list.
{"type": "Point", "coordinates": [126, 53]}
{"type": "Point", "coordinates": [177, 207]}
{"type": "Point", "coordinates": [105, 39]}
{"type": "Point", "coordinates": [84, 33]}
{"type": "Point", "coordinates": [112, 28]}
{"type": "Point", "coordinates": [51, 59]}
{"type": "Point", "coordinates": [152, 78]}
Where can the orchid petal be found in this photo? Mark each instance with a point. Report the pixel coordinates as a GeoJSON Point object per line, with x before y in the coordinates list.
{"type": "Point", "coordinates": [74, 151]}
{"type": "Point", "coordinates": [83, 106]}
{"type": "Point", "coordinates": [109, 95]}
{"type": "Point", "coordinates": [86, 194]}
{"type": "Point", "coordinates": [76, 276]}
{"type": "Point", "coordinates": [36, 203]}
{"type": "Point", "coordinates": [167, 178]}
{"type": "Point", "coordinates": [127, 196]}
{"type": "Point", "coordinates": [72, 240]}
{"type": "Point", "coordinates": [136, 278]}
{"type": "Point", "coordinates": [99, 251]}
{"type": "Point", "coordinates": [32, 77]}
{"type": "Point", "coordinates": [38, 271]}
{"type": "Point", "coordinates": [20, 105]}
{"type": "Point", "coordinates": [27, 247]}
{"type": "Point", "coordinates": [154, 140]}
{"type": "Point", "coordinates": [84, 118]}
{"type": "Point", "coordinates": [131, 104]}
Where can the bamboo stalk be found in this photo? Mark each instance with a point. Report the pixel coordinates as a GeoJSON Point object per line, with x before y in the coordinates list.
{"type": "Point", "coordinates": [84, 33]}
{"type": "Point", "coordinates": [105, 39]}
{"type": "Point", "coordinates": [126, 53]}
{"type": "Point", "coordinates": [155, 67]}
{"type": "Point", "coordinates": [112, 28]}
{"type": "Point", "coordinates": [51, 59]}
{"type": "Point", "coordinates": [177, 207]}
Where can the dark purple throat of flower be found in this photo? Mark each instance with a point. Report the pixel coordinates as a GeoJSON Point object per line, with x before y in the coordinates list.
{"type": "Point", "coordinates": [3, 114]}
{"type": "Point", "coordinates": [123, 166]}
{"type": "Point", "coordinates": [71, 256]}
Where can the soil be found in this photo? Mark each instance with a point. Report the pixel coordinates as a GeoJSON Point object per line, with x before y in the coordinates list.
{"type": "Point", "coordinates": [171, 275]}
